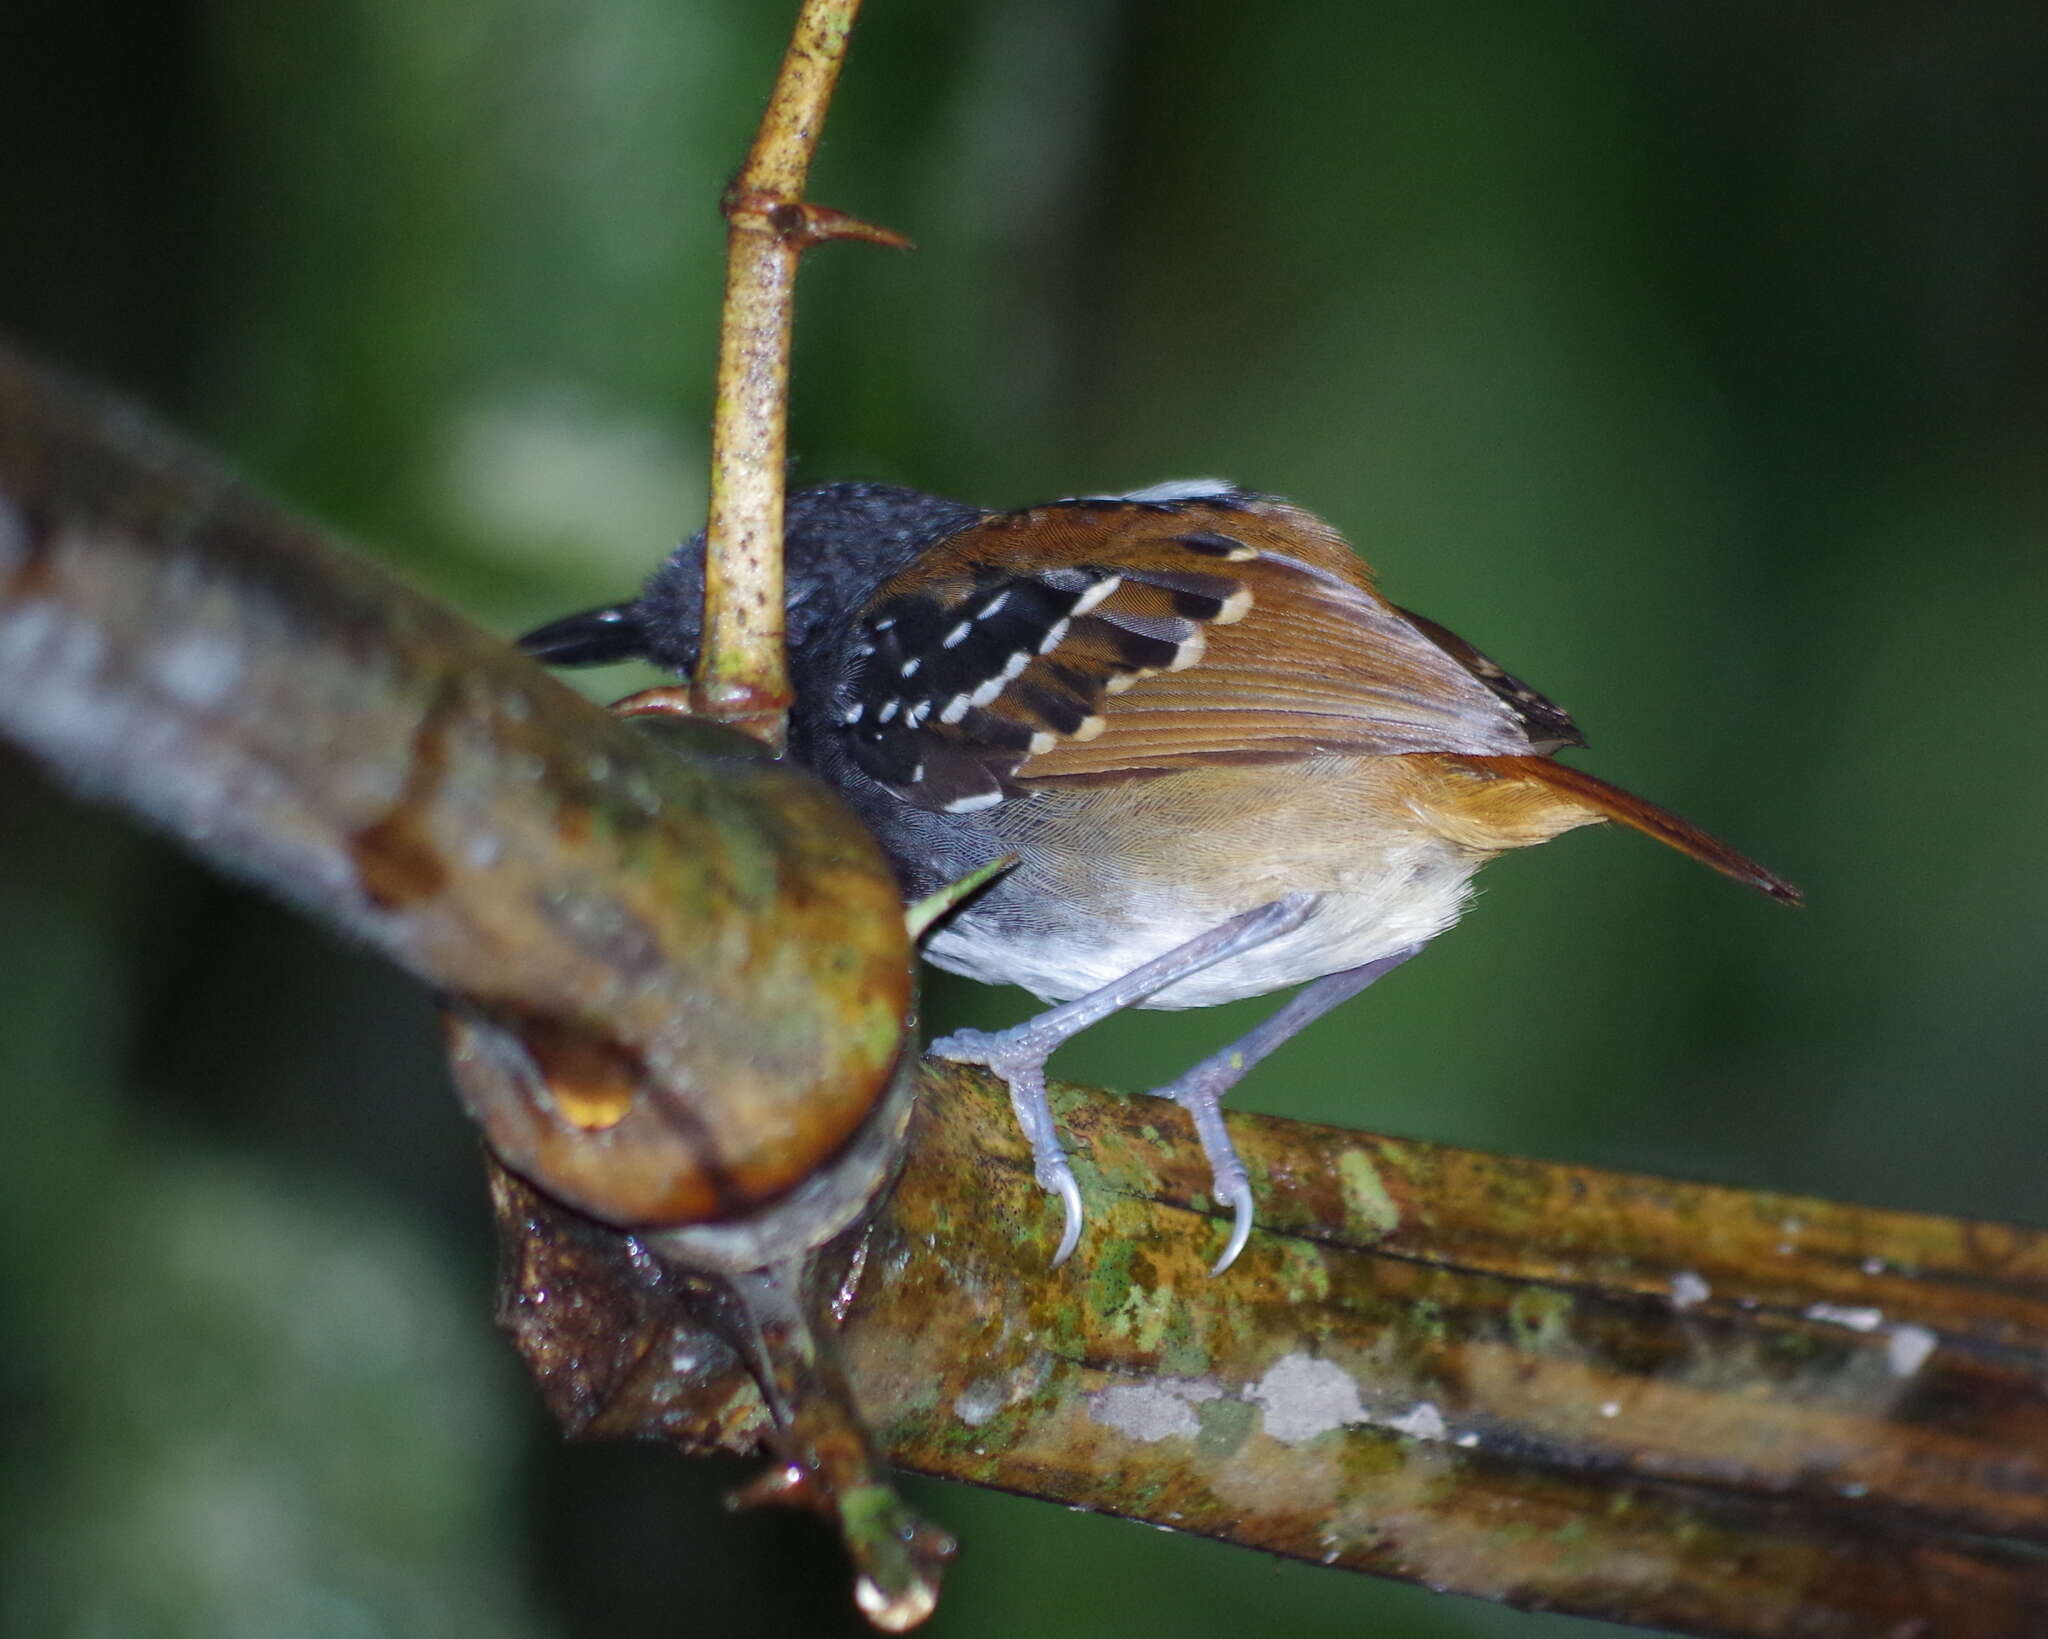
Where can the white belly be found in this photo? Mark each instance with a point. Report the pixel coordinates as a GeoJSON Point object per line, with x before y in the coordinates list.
{"type": "Point", "coordinates": [1384, 896]}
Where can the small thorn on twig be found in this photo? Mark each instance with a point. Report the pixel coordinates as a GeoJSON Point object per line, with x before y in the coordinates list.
{"type": "Point", "coordinates": [759, 713]}
{"type": "Point", "coordinates": [800, 223]}
{"type": "Point", "coordinates": [822, 223]}
{"type": "Point", "coordinates": [748, 710]}
{"type": "Point", "coordinates": [665, 700]}
{"type": "Point", "coordinates": [676, 704]}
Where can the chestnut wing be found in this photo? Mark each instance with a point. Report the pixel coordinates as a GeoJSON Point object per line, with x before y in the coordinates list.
{"type": "Point", "coordinates": [1093, 640]}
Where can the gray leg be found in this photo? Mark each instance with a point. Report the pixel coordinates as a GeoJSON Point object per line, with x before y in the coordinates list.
{"type": "Point", "coordinates": [1018, 1054]}
{"type": "Point", "coordinates": [1200, 1090]}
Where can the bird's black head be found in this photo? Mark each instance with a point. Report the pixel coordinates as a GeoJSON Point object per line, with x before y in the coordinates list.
{"type": "Point", "coordinates": [840, 542]}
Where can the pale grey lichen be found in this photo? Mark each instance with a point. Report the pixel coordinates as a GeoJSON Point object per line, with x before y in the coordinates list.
{"type": "Point", "coordinates": [1302, 1397]}
{"type": "Point", "coordinates": [1688, 1289]}
{"type": "Point", "coordinates": [1153, 1411]}
{"type": "Point", "coordinates": [1907, 1348]}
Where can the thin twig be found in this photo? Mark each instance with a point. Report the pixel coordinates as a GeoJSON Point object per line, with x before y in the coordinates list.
{"type": "Point", "coordinates": [743, 674]}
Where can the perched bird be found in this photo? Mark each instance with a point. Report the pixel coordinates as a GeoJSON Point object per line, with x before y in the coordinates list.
{"type": "Point", "coordinates": [1224, 762]}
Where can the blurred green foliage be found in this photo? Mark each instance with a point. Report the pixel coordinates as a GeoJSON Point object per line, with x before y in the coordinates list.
{"type": "Point", "coordinates": [1690, 358]}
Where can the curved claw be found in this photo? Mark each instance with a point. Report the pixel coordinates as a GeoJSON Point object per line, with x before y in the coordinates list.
{"type": "Point", "coordinates": [1239, 1199]}
{"type": "Point", "coordinates": [1023, 1072]}
{"type": "Point", "coordinates": [1069, 1193]}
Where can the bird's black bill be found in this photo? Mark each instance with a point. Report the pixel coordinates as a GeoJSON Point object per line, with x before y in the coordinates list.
{"type": "Point", "coordinates": [597, 637]}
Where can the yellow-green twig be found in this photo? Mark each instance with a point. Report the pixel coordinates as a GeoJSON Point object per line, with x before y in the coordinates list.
{"type": "Point", "coordinates": [743, 673]}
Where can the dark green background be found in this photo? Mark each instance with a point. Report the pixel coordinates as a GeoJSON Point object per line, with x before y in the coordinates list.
{"type": "Point", "coordinates": [1689, 358]}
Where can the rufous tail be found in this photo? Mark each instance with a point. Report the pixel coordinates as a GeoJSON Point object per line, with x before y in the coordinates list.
{"type": "Point", "coordinates": [1626, 808]}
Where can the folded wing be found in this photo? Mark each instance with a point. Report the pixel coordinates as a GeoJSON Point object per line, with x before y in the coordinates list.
{"type": "Point", "coordinates": [1138, 637]}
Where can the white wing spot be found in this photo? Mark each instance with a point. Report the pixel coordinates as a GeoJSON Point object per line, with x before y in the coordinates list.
{"type": "Point", "coordinates": [1096, 593]}
{"type": "Point", "coordinates": [957, 636]}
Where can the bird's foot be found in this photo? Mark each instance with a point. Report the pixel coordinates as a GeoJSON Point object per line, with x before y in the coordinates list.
{"type": "Point", "coordinates": [1018, 1055]}
{"type": "Point", "coordinates": [1200, 1092]}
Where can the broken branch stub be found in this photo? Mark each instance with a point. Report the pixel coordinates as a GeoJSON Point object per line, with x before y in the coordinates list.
{"type": "Point", "coordinates": [699, 960]}
{"type": "Point", "coordinates": [678, 981]}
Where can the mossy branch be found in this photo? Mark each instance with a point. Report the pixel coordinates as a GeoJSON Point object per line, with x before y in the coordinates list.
{"type": "Point", "coordinates": [1677, 1406]}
